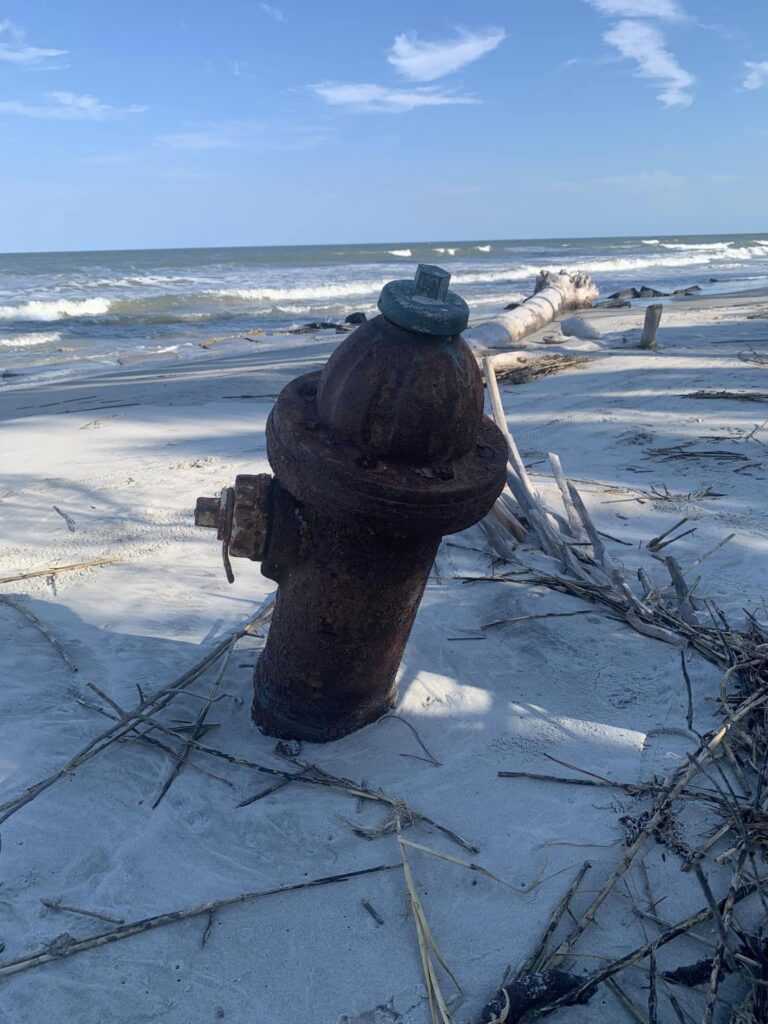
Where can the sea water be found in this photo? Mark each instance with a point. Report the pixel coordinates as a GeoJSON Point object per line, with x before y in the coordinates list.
{"type": "Point", "coordinates": [71, 311]}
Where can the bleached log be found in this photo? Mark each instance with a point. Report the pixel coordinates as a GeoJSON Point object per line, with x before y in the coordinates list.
{"type": "Point", "coordinates": [651, 326]}
{"type": "Point", "coordinates": [509, 360]}
{"type": "Point", "coordinates": [553, 294]}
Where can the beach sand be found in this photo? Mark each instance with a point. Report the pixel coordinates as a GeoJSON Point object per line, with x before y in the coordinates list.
{"type": "Point", "coordinates": [109, 466]}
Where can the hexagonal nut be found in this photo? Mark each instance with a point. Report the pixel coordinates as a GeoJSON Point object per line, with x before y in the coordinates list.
{"type": "Point", "coordinates": [250, 518]}
{"type": "Point", "coordinates": [207, 513]}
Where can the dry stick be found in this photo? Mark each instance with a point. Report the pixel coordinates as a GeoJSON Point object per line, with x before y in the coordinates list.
{"type": "Point", "coordinates": [30, 617]}
{"type": "Point", "coordinates": [314, 776]}
{"type": "Point", "coordinates": [601, 975]}
{"type": "Point", "coordinates": [573, 518]}
{"type": "Point", "coordinates": [373, 912]}
{"type": "Point", "coordinates": [146, 924]}
{"type": "Point", "coordinates": [528, 618]}
{"type": "Point", "coordinates": [688, 689]}
{"type": "Point", "coordinates": [128, 722]}
{"type": "Point", "coordinates": [54, 570]}
{"type": "Point", "coordinates": [672, 540]}
{"type": "Point", "coordinates": [687, 612]}
{"type": "Point", "coordinates": [653, 1017]}
{"type": "Point", "coordinates": [630, 788]}
{"type": "Point", "coordinates": [428, 949]}
{"type": "Point", "coordinates": [207, 930]}
{"type": "Point", "coordinates": [136, 736]}
{"type": "Point", "coordinates": [430, 757]}
{"type": "Point", "coordinates": [711, 551]}
{"type": "Point", "coordinates": [517, 476]}
{"type": "Point", "coordinates": [538, 958]}
{"type": "Point", "coordinates": [501, 422]}
{"type": "Point", "coordinates": [57, 905]}
{"type": "Point", "coordinates": [679, 1012]}
{"type": "Point", "coordinates": [706, 888]}
{"type": "Point", "coordinates": [198, 729]}
{"type": "Point", "coordinates": [626, 1002]}
{"type": "Point", "coordinates": [655, 541]}
{"type": "Point", "coordinates": [267, 791]}
{"type": "Point", "coordinates": [717, 963]}
{"type": "Point", "coordinates": [671, 792]}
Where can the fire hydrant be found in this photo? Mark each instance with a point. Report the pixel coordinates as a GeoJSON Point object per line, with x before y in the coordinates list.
{"type": "Point", "coordinates": [375, 459]}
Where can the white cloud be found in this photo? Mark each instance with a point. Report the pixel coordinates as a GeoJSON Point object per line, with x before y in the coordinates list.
{"type": "Point", "coordinates": [273, 12]}
{"type": "Point", "coordinates": [378, 99]}
{"type": "Point", "coordinates": [424, 61]}
{"type": "Point", "coordinates": [16, 51]}
{"type": "Point", "coordinates": [67, 106]}
{"type": "Point", "coordinates": [667, 10]}
{"type": "Point", "coordinates": [644, 43]}
{"type": "Point", "coordinates": [757, 74]}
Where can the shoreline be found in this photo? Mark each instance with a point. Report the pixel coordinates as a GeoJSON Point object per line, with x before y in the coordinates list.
{"type": "Point", "coordinates": [44, 374]}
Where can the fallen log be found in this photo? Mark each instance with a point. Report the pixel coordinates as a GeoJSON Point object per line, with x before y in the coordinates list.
{"type": "Point", "coordinates": [553, 294]}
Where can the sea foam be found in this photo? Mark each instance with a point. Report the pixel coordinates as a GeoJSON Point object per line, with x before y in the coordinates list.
{"type": "Point", "coordinates": [58, 309]}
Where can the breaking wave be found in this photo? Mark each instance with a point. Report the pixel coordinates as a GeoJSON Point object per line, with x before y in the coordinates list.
{"type": "Point", "coordinates": [399, 252]}
{"type": "Point", "coordinates": [697, 246]}
{"type": "Point", "coordinates": [28, 340]}
{"type": "Point", "coordinates": [59, 309]}
{"type": "Point", "coordinates": [301, 293]}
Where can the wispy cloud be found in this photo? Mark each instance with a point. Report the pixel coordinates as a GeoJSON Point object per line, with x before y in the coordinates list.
{"type": "Point", "coordinates": [245, 134]}
{"type": "Point", "coordinates": [757, 74]}
{"type": "Point", "coordinates": [667, 10]}
{"type": "Point", "coordinates": [205, 138]}
{"type": "Point", "coordinates": [276, 13]}
{"type": "Point", "coordinates": [367, 98]}
{"type": "Point", "coordinates": [67, 106]}
{"type": "Point", "coordinates": [15, 50]}
{"type": "Point", "coordinates": [423, 61]}
{"type": "Point", "coordinates": [644, 181]}
{"type": "Point", "coordinates": [643, 43]}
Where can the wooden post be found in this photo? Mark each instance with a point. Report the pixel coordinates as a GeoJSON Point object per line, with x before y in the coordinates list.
{"type": "Point", "coordinates": [651, 325]}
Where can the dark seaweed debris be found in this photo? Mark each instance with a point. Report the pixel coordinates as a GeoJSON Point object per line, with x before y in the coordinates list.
{"type": "Point", "coordinates": [530, 992]}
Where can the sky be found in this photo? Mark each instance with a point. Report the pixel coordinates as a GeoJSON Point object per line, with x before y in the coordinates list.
{"type": "Point", "coordinates": [181, 123]}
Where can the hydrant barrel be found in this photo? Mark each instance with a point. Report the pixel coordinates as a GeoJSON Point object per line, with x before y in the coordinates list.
{"type": "Point", "coordinates": [375, 459]}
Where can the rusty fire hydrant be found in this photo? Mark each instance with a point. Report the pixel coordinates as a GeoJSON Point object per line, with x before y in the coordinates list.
{"type": "Point", "coordinates": [375, 458]}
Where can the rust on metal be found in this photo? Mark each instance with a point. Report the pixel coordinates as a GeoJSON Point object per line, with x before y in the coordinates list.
{"type": "Point", "coordinates": [375, 459]}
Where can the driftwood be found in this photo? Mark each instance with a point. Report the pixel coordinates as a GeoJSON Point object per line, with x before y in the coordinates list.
{"type": "Point", "coordinates": [553, 294]}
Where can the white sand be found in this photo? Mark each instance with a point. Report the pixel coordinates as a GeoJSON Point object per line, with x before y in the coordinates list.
{"type": "Point", "coordinates": [124, 455]}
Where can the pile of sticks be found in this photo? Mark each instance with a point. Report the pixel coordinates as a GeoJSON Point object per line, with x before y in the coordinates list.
{"type": "Point", "coordinates": [733, 757]}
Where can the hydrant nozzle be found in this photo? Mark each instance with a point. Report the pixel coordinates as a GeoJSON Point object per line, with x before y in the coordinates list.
{"type": "Point", "coordinates": [375, 459]}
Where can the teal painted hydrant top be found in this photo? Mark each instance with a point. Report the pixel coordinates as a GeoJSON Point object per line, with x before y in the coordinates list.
{"type": "Point", "coordinates": [425, 305]}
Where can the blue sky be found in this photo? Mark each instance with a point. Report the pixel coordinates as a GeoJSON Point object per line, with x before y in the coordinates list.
{"type": "Point", "coordinates": [184, 123]}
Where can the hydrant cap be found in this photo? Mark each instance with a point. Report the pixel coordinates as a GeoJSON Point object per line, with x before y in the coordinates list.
{"type": "Point", "coordinates": [425, 305]}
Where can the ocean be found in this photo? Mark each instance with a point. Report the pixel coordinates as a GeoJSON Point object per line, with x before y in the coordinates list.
{"type": "Point", "coordinates": [64, 313]}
